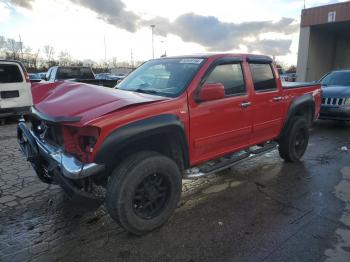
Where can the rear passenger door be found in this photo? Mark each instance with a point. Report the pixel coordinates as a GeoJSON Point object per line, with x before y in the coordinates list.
{"type": "Point", "coordinates": [221, 126]}
{"type": "Point", "coordinates": [266, 101]}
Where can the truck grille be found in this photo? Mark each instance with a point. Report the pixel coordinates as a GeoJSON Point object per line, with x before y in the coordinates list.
{"type": "Point", "coordinates": [49, 132]}
{"type": "Point", "coordinates": [333, 101]}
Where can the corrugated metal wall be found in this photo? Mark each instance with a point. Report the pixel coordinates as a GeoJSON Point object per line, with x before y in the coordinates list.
{"type": "Point", "coordinates": [320, 15]}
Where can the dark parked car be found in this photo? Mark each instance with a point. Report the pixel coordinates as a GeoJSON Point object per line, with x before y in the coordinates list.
{"type": "Point", "coordinates": [78, 74]}
{"type": "Point", "coordinates": [336, 95]}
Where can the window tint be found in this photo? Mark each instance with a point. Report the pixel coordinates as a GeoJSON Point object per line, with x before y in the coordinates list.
{"type": "Point", "coordinates": [75, 72]}
{"type": "Point", "coordinates": [10, 74]}
{"type": "Point", "coordinates": [263, 77]}
{"type": "Point", "coordinates": [165, 77]}
{"type": "Point", "coordinates": [230, 76]}
{"type": "Point", "coordinates": [337, 79]}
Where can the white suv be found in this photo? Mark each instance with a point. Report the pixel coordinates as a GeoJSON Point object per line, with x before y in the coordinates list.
{"type": "Point", "coordinates": [15, 89]}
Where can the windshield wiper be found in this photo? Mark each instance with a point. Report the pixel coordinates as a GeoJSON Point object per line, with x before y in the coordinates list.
{"type": "Point", "coordinates": [145, 91]}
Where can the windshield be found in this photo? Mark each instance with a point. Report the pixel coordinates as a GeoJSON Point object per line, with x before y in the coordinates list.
{"type": "Point", "coordinates": [164, 77]}
{"type": "Point", "coordinates": [336, 79]}
{"type": "Point", "coordinates": [75, 72]}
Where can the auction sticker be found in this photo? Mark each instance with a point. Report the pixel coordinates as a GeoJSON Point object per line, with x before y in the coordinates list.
{"type": "Point", "coordinates": [191, 61]}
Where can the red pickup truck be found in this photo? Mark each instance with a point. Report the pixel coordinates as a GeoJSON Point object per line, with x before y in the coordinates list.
{"type": "Point", "coordinates": [171, 118]}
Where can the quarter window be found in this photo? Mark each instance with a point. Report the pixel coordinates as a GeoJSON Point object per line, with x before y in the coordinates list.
{"type": "Point", "coordinates": [231, 76]}
{"type": "Point", "coordinates": [263, 77]}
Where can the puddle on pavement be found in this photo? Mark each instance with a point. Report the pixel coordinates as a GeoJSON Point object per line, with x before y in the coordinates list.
{"type": "Point", "coordinates": [216, 188]}
{"type": "Point", "coordinates": [233, 178]}
{"type": "Point", "coordinates": [340, 252]}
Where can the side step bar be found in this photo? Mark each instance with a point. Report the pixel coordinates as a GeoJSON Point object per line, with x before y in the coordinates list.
{"type": "Point", "coordinates": [227, 161]}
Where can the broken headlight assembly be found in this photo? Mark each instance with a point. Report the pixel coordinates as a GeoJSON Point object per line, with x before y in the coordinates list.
{"type": "Point", "coordinates": [80, 141]}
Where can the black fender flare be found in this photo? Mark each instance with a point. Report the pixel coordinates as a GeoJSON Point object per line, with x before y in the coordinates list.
{"type": "Point", "coordinates": [306, 100]}
{"type": "Point", "coordinates": [139, 130]}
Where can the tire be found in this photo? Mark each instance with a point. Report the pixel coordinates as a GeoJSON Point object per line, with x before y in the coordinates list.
{"type": "Point", "coordinates": [293, 143]}
{"type": "Point", "coordinates": [143, 182]}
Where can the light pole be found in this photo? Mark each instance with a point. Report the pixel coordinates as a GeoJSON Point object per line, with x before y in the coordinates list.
{"type": "Point", "coordinates": [164, 46]}
{"type": "Point", "coordinates": [152, 28]}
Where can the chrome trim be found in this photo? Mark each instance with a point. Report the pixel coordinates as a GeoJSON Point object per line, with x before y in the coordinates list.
{"type": "Point", "coordinates": [245, 104]}
{"type": "Point", "coordinates": [333, 101]}
{"type": "Point", "coordinates": [195, 172]}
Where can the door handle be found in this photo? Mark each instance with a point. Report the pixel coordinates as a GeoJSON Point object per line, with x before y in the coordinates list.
{"type": "Point", "coordinates": [278, 98]}
{"type": "Point", "coordinates": [245, 104]}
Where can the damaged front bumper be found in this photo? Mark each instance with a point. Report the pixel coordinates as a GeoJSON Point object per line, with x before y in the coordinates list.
{"type": "Point", "coordinates": [58, 165]}
{"type": "Point", "coordinates": [71, 168]}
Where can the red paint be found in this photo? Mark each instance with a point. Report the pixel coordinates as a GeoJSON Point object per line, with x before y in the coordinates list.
{"type": "Point", "coordinates": [213, 128]}
{"type": "Point", "coordinates": [212, 91]}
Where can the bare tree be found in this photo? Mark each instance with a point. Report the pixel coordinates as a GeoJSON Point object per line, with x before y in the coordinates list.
{"type": "Point", "coordinates": [2, 43]}
{"type": "Point", "coordinates": [64, 58]}
{"type": "Point", "coordinates": [49, 52]}
{"type": "Point", "coordinates": [13, 47]}
{"type": "Point", "coordinates": [2, 46]}
{"type": "Point", "coordinates": [291, 69]}
{"type": "Point", "coordinates": [88, 62]}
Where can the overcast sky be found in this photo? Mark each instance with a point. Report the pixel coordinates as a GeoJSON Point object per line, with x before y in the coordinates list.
{"type": "Point", "coordinates": [181, 27]}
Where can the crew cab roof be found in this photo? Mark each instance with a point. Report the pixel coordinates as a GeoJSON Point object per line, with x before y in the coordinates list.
{"type": "Point", "coordinates": [341, 70]}
{"type": "Point", "coordinates": [223, 55]}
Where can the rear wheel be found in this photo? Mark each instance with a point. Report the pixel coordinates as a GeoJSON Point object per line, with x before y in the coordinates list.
{"type": "Point", "coordinates": [143, 192]}
{"type": "Point", "coordinates": [293, 143]}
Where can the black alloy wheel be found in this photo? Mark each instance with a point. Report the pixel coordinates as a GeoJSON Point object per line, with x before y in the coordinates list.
{"type": "Point", "coordinates": [151, 196]}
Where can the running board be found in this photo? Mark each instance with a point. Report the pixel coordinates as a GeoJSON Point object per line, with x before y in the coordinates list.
{"type": "Point", "coordinates": [227, 161]}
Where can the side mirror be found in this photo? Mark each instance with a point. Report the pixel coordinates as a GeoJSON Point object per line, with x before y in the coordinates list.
{"type": "Point", "coordinates": [212, 91]}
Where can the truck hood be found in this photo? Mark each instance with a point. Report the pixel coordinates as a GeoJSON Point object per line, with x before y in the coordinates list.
{"type": "Point", "coordinates": [336, 91]}
{"type": "Point", "coordinates": [72, 102]}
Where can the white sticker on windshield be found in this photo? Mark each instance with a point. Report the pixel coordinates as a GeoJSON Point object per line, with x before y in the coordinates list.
{"type": "Point", "coordinates": [191, 61]}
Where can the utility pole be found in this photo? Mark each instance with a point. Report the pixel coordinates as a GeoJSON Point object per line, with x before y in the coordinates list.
{"type": "Point", "coordinates": [104, 41]}
{"type": "Point", "coordinates": [152, 28]}
{"type": "Point", "coordinates": [164, 46]}
{"type": "Point", "coordinates": [304, 4]}
{"type": "Point", "coordinates": [105, 46]}
{"type": "Point", "coordinates": [131, 58]}
{"type": "Point", "coordinates": [21, 46]}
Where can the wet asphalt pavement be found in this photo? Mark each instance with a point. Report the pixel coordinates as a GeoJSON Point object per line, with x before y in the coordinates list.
{"type": "Point", "coordinates": [261, 210]}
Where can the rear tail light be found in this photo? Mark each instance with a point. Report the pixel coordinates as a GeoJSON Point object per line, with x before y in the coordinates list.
{"type": "Point", "coordinates": [26, 76]}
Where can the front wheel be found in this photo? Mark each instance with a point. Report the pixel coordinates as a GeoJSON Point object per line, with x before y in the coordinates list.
{"type": "Point", "coordinates": [293, 143]}
{"type": "Point", "coordinates": [143, 192]}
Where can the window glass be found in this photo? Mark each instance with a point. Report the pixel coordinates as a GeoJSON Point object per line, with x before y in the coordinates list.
{"type": "Point", "coordinates": [231, 76]}
{"type": "Point", "coordinates": [48, 74]}
{"type": "Point", "coordinates": [263, 77]}
{"type": "Point", "coordinates": [337, 78]}
{"type": "Point", "coordinates": [75, 73]}
{"type": "Point", "coordinates": [164, 77]}
{"type": "Point", "coordinates": [10, 74]}
{"type": "Point", "coordinates": [53, 74]}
